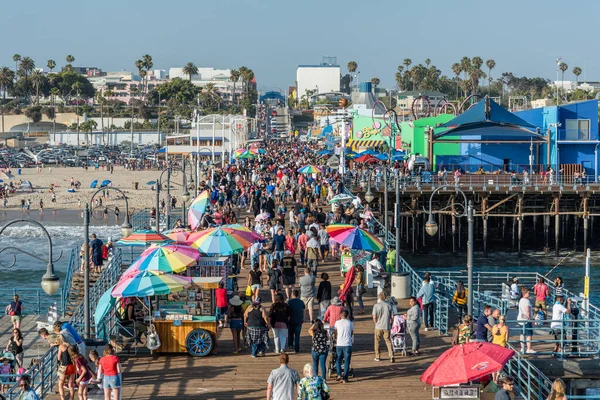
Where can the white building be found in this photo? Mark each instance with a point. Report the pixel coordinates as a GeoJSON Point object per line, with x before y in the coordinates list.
{"type": "Point", "coordinates": [406, 99]}
{"type": "Point", "coordinates": [110, 138]}
{"type": "Point", "coordinates": [211, 135]}
{"type": "Point", "coordinates": [323, 78]}
{"type": "Point", "coordinates": [204, 74]}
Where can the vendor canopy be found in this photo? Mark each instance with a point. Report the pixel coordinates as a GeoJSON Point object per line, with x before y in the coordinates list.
{"type": "Point", "coordinates": [490, 121]}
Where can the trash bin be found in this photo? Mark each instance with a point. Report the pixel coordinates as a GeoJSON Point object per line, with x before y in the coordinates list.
{"type": "Point", "coordinates": [136, 185]}
{"type": "Point", "coordinates": [401, 285]}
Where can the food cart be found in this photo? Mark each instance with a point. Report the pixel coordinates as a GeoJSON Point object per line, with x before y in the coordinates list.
{"type": "Point", "coordinates": [186, 321]}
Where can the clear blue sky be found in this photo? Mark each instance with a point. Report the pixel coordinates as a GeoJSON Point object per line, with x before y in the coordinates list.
{"type": "Point", "coordinates": [274, 37]}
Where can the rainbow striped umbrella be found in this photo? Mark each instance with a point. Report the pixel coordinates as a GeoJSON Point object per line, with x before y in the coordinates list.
{"type": "Point", "coordinates": [149, 283]}
{"type": "Point", "coordinates": [169, 258]}
{"type": "Point", "coordinates": [239, 152]}
{"type": "Point", "coordinates": [219, 241]}
{"type": "Point", "coordinates": [179, 235]}
{"type": "Point", "coordinates": [310, 169]}
{"type": "Point", "coordinates": [257, 151]}
{"type": "Point", "coordinates": [244, 233]}
{"type": "Point", "coordinates": [197, 209]}
{"type": "Point", "coordinates": [354, 237]}
{"type": "Point", "coordinates": [245, 154]}
{"type": "Point", "coordinates": [144, 238]}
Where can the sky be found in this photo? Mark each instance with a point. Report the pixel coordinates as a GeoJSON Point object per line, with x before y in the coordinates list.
{"type": "Point", "coordinates": [274, 37]}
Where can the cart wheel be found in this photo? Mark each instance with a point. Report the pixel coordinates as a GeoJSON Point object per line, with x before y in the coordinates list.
{"type": "Point", "coordinates": [199, 343]}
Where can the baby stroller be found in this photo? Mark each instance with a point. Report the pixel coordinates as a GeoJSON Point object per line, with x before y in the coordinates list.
{"type": "Point", "coordinates": [398, 334]}
{"type": "Point", "coordinates": [332, 355]}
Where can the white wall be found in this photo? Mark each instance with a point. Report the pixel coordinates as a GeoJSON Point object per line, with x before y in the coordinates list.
{"type": "Point", "coordinates": [114, 138]}
{"type": "Point", "coordinates": [326, 78]}
{"type": "Point", "coordinates": [205, 74]}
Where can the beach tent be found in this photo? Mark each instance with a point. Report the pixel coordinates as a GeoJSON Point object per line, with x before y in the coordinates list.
{"type": "Point", "coordinates": [94, 184]}
{"type": "Point", "coordinates": [105, 183]}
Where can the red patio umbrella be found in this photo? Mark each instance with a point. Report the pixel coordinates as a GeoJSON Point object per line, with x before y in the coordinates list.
{"type": "Point", "coordinates": [466, 362]}
{"type": "Point", "coordinates": [365, 158]}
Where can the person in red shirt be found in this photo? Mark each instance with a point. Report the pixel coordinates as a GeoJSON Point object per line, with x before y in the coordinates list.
{"type": "Point", "coordinates": [222, 304]}
{"type": "Point", "coordinates": [302, 240]}
{"type": "Point", "coordinates": [541, 291]}
{"type": "Point", "coordinates": [110, 368]}
{"type": "Point", "coordinates": [332, 314]}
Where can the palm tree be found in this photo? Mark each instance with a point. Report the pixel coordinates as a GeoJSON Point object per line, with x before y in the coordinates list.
{"type": "Point", "coordinates": [407, 62]}
{"type": "Point", "coordinates": [210, 95]}
{"type": "Point", "coordinates": [247, 76]}
{"type": "Point", "coordinates": [375, 82]}
{"type": "Point", "coordinates": [6, 79]}
{"type": "Point", "coordinates": [51, 64]}
{"type": "Point", "coordinates": [490, 64]}
{"type": "Point", "coordinates": [16, 59]}
{"type": "Point", "coordinates": [427, 62]}
{"type": "Point", "coordinates": [190, 69]}
{"type": "Point", "coordinates": [577, 71]}
{"type": "Point", "coordinates": [234, 76]}
{"type": "Point", "coordinates": [37, 79]}
{"type": "Point", "coordinates": [465, 66]}
{"type": "Point", "coordinates": [26, 66]}
{"type": "Point", "coordinates": [148, 64]}
{"type": "Point", "coordinates": [70, 60]}
{"type": "Point", "coordinates": [456, 68]}
{"type": "Point", "coordinates": [399, 77]}
{"type": "Point", "coordinates": [352, 66]}
{"type": "Point", "coordinates": [563, 67]}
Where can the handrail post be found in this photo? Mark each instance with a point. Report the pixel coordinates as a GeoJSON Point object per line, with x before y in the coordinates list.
{"type": "Point", "coordinates": [39, 305]}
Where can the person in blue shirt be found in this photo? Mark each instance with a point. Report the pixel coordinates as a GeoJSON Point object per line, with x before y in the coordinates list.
{"type": "Point", "coordinates": [427, 295]}
{"type": "Point", "coordinates": [481, 330]}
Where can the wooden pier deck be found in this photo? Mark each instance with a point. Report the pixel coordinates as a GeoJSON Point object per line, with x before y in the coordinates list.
{"type": "Point", "coordinates": [227, 376]}
{"type": "Point", "coordinates": [34, 345]}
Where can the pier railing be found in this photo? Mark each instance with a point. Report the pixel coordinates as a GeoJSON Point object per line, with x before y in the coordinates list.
{"type": "Point", "coordinates": [72, 267]}
{"type": "Point", "coordinates": [42, 374]}
{"type": "Point", "coordinates": [576, 337]}
{"type": "Point", "coordinates": [531, 383]}
{"type": "Point", "coordinates": [35, 300]}
{"type": "Point", "coordinates": [108, 277]}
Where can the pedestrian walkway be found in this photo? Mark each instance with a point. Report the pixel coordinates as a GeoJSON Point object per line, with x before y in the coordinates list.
{"type": "Point", "coordinates": [34, 345]}
{"type": "Point", "coordinates": [226, 376]}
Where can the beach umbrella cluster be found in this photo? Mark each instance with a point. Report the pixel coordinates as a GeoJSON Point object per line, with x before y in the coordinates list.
{"type": "Point", "coordinates": [198, 208]}
{"type": "Point", "coordinates": [310, 169]}
{"type": "Point", "coordinates": [354, 237]}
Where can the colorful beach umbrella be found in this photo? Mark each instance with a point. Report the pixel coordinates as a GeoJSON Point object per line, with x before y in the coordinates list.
{"type": "Point", "coordinates": [239, 152]}
{"type": "Point", "coordinates": [198, 208]}
{"type": "Point", "coordinates": [149, 283]}
{"type": "Point", "coordinates": [243, 155]}
{"type": "Point", "coordinates": [257, 151]}
{"type": "Point", "coordinates": [179, 235]}
{"type": "Point", "coordinates": [144, 238]}
{"type": "Point", "coordinates": [466, 362]}
{"type": "Point", "coordinates": [244, 232]}
{"type": "Point", "coordinates": [310, 169]}
{"type": "Point", "coordinates": [365, 158]}
{"type": "Point", "coordinates": [354, 237]}
{"type": "Point", "coordinates": [341, 198]}
{"type": "Point", "coordinates": [169, 258]}
{"type": "Point", "coordinates": [104, 305]}
{"type": "Point", "coordinates": [219, 241]}
{"type": "Point", "coordinates": [262, 216]}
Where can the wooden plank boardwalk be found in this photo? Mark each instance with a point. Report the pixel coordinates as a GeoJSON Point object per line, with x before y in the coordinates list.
{"type": "Point", "coordinates": [227, 376]}
{"type": "Point", "coordinates": [34, 345]}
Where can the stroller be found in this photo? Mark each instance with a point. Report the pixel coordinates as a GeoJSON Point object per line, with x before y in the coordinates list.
{"type": "Point", "coordinates": [398, 334]}
{"type": "Point", "coordinates": [332, 355]}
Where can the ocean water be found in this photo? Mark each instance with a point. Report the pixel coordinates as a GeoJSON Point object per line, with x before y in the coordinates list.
{"type": "Point", "coordinates": [66, 230]}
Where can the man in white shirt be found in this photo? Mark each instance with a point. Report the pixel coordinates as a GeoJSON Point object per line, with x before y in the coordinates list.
{"type": "Point", "coordinates": [557, 324]}
{"type": "Point", "coordinates": [375, 268]}
{"type": "Point", "coordinates": [344, 330]}
{"type": "Point", "coordinates": [526, 316]}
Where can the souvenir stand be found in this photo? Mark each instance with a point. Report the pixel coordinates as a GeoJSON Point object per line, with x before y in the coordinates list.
{"type": "Point", "coordinates": [221, 266]}
{"type": "Point", "coordinates": [186, 321]}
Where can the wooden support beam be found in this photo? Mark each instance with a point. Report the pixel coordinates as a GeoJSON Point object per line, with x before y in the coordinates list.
{"type": "Point", "coordinates": [556, 226]}
{"type": "Point", "coordinates": [498, 204]}
{"type": "Point", "coordinates": [484, 202]}
{"type": "Point", "coordinates": [520, 224]}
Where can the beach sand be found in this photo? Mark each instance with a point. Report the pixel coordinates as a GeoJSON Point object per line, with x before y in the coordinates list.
{"type": "Point", "coordinates": [121, 178]}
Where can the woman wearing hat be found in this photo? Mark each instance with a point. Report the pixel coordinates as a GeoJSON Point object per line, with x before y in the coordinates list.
{"type": "Point", "coordinates": [235, 315]}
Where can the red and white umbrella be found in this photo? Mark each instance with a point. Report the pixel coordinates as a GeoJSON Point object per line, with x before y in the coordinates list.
{"type": "Point", "coordinates": [466, 362]}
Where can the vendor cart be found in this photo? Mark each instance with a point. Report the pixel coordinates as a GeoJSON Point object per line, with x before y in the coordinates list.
{"type": "Point", "coordinates": [186, 322]}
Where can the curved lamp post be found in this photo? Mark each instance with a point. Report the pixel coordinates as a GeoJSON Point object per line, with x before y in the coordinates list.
{"type": "Point", "coordinates": [50, 282]}
{"type": "Point", "coordinates": [185, 197]}
{"type": "Point", "coordinates": [431, 227]}
{"type": "Point", "coordinates": [126, 230]}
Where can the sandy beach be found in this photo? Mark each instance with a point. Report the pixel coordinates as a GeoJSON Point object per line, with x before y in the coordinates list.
{"type": "Point", "coordinates": [143, 197]}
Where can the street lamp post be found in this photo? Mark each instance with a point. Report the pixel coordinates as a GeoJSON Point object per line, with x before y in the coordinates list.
{"type": "Point", "coordinates": [126, 230]}
{"type": "Point", "coordinates": [431, 228]}
{"type": "Point", "coordinates": [50, 282]}
{"type": "Point", "coordinates": [185, 197]}
{"type": "Point", "coordinates": [398, 223]}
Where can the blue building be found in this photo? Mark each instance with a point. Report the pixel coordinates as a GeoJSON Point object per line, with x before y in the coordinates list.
{"type": "Point", "coordinates": [573, 130]}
